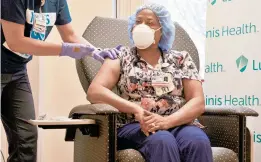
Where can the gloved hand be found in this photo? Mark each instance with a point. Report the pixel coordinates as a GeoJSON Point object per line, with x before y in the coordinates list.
{"type": "Point", "coordinates": [101, 55]}
{"type": "Point", "coordinates": [78, 51]}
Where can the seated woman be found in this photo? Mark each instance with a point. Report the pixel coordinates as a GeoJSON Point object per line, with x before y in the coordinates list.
{"type": "Point", "coordinates": [160, 91]}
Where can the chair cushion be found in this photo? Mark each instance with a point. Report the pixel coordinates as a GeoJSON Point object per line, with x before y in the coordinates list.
{"type": "Point", "coordinates": [130, 155]}
{"type": "Point", "coordinates": [220, 154]}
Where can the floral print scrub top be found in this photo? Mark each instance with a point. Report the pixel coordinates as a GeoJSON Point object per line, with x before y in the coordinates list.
{"type": "Point", "coordinates": [158, 89]}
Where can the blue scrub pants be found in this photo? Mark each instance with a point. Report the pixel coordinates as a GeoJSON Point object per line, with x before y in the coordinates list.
{"type": "Point", "coordinates": [180, 144]}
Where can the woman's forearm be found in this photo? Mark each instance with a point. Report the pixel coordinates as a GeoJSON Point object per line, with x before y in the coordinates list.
{"type": "Point", "coordinates": [99, 94]}
{"type": "Point", "coordinates": [190, 111]}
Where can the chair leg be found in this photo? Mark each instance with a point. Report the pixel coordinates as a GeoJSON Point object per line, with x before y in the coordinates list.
{"type": "Point", "coordinates": [242, 139]}
{"type": "Point", "coordinates": [94, 149]}
{"type": "Point", "coordinates": [112, 138]}
{"type": "Point", "coordinates": [249, 146]}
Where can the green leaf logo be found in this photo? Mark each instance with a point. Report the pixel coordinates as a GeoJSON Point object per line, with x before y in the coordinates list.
{"type": "Point", "coordinates": [242, 62]}
{"type": "Point", "coordinates": [213, 1]}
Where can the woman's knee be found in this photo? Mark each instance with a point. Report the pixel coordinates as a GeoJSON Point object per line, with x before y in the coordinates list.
{"type": "Point", "coordinates": [199, 144]}
{"type": "Point", "coordinates": [196, 150]}
{"type": "Point", "coordinates": [160, 146]}
{"type": "Point", "coordinates": [161, 137]}
{"type": "Point", "coordinates": [191, 137]}
{"type": "Point", "coordinates": [190, 133]}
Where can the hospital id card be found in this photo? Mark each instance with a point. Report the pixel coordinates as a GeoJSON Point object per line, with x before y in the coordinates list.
{"type": "Point", "coordinates": [163, 84]}
{"type": "Point", "coordinates": [39, 25]}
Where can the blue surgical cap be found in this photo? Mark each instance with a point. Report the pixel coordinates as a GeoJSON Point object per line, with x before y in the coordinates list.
{"type": "Point", "coordinates": [168, 28]}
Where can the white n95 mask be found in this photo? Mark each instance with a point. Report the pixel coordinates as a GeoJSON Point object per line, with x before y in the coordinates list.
{"type": "Point", "coordinates": [143, 36]}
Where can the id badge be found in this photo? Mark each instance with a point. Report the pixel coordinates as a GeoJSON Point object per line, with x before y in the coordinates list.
{"type": "Point", "coordinates": [39, 25]}
{"type": "Point", "coordinates": [163, 84]}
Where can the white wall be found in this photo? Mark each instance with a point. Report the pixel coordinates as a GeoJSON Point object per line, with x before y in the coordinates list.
{"type": "Point", "coordinates": [60, 89]}
{"type": "Point", "coordinates": [125, 8]}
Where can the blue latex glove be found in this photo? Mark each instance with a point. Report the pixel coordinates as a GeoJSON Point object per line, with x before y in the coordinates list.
{"type": "Point", "coordinates": [78, 51]}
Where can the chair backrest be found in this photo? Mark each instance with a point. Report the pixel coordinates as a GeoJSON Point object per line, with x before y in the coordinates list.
{"type": "Point", "coordinates": [110, 32]}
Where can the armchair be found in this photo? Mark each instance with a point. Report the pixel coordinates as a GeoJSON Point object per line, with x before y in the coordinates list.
{"type": "Point", "coordinates": [226, 127]}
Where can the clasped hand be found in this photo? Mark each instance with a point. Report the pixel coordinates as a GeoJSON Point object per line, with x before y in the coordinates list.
{"type": "Point", "coordinates": [151, 122]}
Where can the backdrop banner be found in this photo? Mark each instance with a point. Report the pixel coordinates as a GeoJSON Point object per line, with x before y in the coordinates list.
{"type": "Point", "coordinates": [233, 60]}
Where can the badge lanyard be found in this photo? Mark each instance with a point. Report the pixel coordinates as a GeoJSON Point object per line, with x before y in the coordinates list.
{"type": "Point", "coordinates": [39, 25]}
{"type": "Point", "coordinates": [38, 30]}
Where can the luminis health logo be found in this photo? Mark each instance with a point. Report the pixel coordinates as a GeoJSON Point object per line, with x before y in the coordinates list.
{"type": "Point", "coordinates": [242, 62]}
{"type": "Point", "coordinates": [213, 2]}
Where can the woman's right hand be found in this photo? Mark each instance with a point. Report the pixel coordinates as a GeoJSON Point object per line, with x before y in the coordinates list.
{"type": "Point", "coordinates": [139, 115]}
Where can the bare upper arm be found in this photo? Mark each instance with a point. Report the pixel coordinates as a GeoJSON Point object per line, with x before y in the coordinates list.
{"type": "Point", "coordinates": [108, 75]}
{"type": "Point", "coordinates": [13, 32]}
{"type": "Point", "coordinates": [192, 89]}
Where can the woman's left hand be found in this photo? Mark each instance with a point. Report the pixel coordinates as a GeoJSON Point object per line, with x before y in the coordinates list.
{"type": "Point", "coordinates": [153, 122]}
